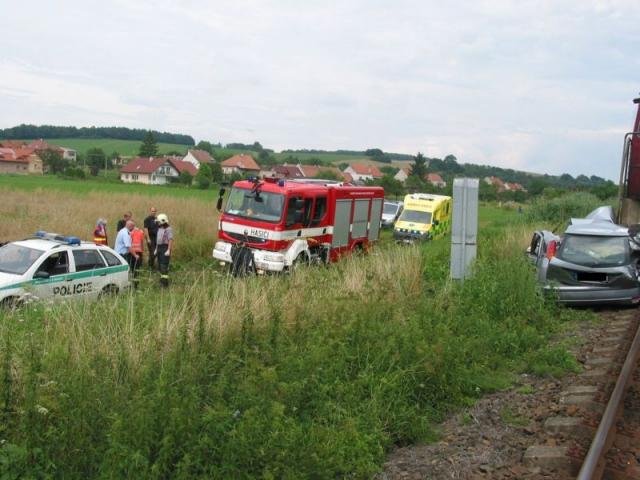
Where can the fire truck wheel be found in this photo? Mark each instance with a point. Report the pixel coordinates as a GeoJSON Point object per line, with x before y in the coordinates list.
{"type": "Point", "coordinates": [301, 259]}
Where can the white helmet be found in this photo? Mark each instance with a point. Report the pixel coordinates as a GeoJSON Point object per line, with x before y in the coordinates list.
{"type": "Point", "coordinates": [162, 219]}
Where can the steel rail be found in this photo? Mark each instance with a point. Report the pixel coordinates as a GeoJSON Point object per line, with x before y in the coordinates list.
{"type": "Point", "coordinates": [590, 467]}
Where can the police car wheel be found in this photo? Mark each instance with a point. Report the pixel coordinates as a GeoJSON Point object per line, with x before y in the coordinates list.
{"type": "Point", "coordinates": [109, 291]}
{"type": "Point", "coordinates": [10, 303]}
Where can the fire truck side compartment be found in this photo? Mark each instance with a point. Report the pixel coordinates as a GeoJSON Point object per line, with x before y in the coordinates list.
{"type": "Point", "coordinates": [342, 221]}
{"type": "Point", "coordinates": [376, 215]}
{"type": "Point", "coordinates": [360, 218]}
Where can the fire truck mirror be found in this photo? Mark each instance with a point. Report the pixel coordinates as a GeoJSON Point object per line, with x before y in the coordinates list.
{"type": "Point", "coordinates": [219, 204]}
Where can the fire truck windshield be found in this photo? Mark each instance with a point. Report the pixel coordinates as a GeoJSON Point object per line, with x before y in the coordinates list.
{"type": "Point", "coordinates": [264, 206]}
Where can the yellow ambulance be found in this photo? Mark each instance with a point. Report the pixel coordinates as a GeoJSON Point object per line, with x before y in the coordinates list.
{"type": "Point", "coordinates": [425, 216]}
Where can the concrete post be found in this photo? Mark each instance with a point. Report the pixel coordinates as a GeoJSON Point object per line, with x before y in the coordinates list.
{"type": "Point", "coordinates": [464, 231]}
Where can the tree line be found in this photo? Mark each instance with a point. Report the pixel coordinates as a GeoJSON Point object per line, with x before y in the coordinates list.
{"type": "Point", "coordinates": [119, 133]}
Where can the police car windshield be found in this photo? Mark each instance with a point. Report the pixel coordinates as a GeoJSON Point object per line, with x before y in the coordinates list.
{"type": "Point", "coordinates": [266, 207]}
{"type": "Point", "coordinates": [17, 259]}
{"type": "Point", "coordinates": [415, 216]}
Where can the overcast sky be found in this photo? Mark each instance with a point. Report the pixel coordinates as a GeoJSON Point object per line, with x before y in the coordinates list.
{"type": "Point", "coordinates": [542, 86]}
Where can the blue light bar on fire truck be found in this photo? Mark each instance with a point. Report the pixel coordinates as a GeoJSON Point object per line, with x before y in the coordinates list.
{"type": "Point", "coordinates": [69, 240]}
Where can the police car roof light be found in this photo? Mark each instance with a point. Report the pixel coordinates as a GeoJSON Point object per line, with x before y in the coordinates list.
{"type": "Point", "coordinates": [69, 240]}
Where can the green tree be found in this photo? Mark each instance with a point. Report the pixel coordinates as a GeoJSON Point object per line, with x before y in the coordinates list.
{"type": "Point", "coordinates": [392, 187]}
{"type": "Point", "coordinates": [419, 166]}
{"type": "Point", "coordinates": [149, 146]}
{"type": "Point", "coordinates": [389, 170]}
{"type": "Point", "coordinates": [266, 159]}
{"type": "Point", "coordinates": [204, 176]}
{"type": "Point", "coordinates": [96, 159]}
{"type": "Point", "coordinates": [185, 178]}
{"type": "Point", "coordinates": [216, 172]}
{"type": "Point", "coordinates": [53, 161]}
{"type": "Point", "coordinates": [413, 184]}
{"type": "Point", "coordinates": [206, 146]}
{"type": "Point", "coordinates": [487, 192]}
{"type": "Point", "coordinates": [537, 186]}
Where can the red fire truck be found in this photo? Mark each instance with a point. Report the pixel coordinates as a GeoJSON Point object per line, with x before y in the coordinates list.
{"type": "Point", "coordinates": [269, 225]}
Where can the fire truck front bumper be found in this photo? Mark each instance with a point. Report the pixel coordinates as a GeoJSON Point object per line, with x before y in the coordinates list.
{"type": "Point", "coordinates": [222, 252]}
{"type": "Point", "coordinates": [264, 260]}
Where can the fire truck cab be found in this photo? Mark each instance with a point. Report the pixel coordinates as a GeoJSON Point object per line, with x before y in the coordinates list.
{"type": "Point", "coordinates": [287, 221]}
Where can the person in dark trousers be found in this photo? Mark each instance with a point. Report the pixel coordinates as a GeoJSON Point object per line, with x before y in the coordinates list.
{"type": "Point", "coordinates": [150, 235]}
{"type": "Point", "coordinates": [125, 248]}
{"type": "Point", "coordinates": [164, 244]}
{"type": "Point", "coordinates": [123, 221]}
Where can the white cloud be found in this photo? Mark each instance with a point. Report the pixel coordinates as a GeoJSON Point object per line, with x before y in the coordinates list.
{"type": "Point", "coordinates": [537, 85]}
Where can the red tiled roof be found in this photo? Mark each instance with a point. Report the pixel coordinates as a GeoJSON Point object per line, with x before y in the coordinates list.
{"type": "Point", "coordinates": [289, 171]}
{"type": "Point", "coordinates": [143, 165]}
{"type": "Point", "coordinates": [434, 178]}
{"type": "Point", "coordinates": [19, 155]}
{"type": "Point", "coordinates": [241, 161]}
{"type": "Point", "coordinates": [12, 144]}
{"type": "Point", "coordinates": [182, 166]}
{"type": "Point", "coordinates": [347, 177]}
{"type": "Point", "coordinates": [42, 145]}
{"type": "Point", "coordinates": [309, 171]}
{"type": "Point", "coordinates": [201, 155]}
{"type": "Point", "coordinates": [362, 169]}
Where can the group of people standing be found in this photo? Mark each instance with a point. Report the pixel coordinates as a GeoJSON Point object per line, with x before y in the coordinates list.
{"type": "Point", "coordinates": [130, 240]}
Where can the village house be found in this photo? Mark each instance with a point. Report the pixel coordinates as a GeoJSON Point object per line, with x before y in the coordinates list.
{"type": "Point", "coordinates": [360, 172]}
{"type": "Point", "coordinates": [155, 170]}
{"type": "Point", "coordinates": [286, 171]}
{"type": "Point", "coordinates": [435, 180]}
{"type": "Point", "coordinates": [402, 174]}
{"type": "Point", "coordinates": [21, 161]}
{"type": "Point", "coordinates": [496, 182]}
{"type": "Point", "coordinates": [196, 157]}
{"type": "Point", "coordinates": [66, 153]}
{"type": "Point", "coordinates": [241, 163]}
{"type": "Point", "coordinates": [514, 187]}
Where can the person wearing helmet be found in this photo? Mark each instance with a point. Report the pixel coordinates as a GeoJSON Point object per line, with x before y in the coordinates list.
{"type": "Point", "coordinates": [164, 244]}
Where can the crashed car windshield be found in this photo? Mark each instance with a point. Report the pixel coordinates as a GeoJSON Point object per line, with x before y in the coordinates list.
{"type": "Point", "coordinates": [594, 251]}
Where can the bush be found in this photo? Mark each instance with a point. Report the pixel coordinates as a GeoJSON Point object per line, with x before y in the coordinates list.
{"type": "Point", "coordinates": [562, 208]}
{"type": "Point", "coordinates": [74, 172]}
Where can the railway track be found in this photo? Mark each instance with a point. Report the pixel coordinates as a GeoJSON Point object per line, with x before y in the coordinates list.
{"type": "Point", "coordinates": [599, 435]}
{"type": "Point", "coordinates": [613, 452]}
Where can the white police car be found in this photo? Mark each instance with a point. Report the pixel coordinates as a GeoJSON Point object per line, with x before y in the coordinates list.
{"type": "Point", "coordinates": [56, 267]}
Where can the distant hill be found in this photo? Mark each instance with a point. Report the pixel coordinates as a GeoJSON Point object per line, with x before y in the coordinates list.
{"type": "Point", "coordinates": [120, 133]}
{"type": "Point", "coordinates": [123, 147]}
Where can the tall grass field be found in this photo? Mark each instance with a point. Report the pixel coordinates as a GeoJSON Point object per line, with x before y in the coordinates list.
{"type": "Point", "coordinates": [316, 374]}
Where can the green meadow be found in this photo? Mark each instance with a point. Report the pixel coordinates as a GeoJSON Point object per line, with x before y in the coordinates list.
{"type": "Point", "coordinates": [317, 374]}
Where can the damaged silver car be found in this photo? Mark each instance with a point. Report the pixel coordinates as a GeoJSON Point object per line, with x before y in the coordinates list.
{"type": "Point", "coordinates": [594, 262]}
